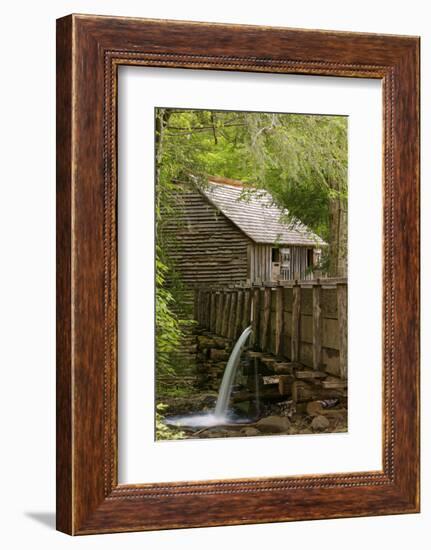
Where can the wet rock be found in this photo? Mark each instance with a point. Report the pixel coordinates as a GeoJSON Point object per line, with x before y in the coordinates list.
{"type": "Point", "coordinates": [192, 348]}
{"type": "Point", "coordinates": [211, 342]}
{"type": "Point", "coordinates": [329, 403]}
{"type": "Point", "coordinates": [314, 408]}
{"type": "Point", "coordinates": [282, 408]}
{"type": "Point", "coordinates": [184, 405]}
{"type": "Point", "coordinates": [250, 431]}
{"type": "Point", "coordinates": [220, 366]}
{"type": "Point", "coordinates": [273, 424]}
{"type": "Point", "coordinates": [319, 423]}
{"type": "Point", "coordinates": [218, 354]}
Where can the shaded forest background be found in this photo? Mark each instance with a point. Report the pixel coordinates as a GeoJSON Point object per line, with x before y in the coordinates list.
{"type": "Point", "coordinates": [301, 160]}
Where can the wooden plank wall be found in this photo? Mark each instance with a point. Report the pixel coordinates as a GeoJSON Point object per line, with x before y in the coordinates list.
{"type": "Point", "coordinates": [206, 249]}
{"type": "Point", "coordinates": [205, 246]}
{"type": "Point", "coordinates": [260, 263]}
{"type": "Point", "coordinates": [260, 266]}
{"type": "Point", "coordinates": [297, 321]}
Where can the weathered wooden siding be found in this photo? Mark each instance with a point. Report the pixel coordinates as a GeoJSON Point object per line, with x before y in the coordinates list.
{"type": "Point", "coordinates": [259, 265]}
{"type": "Point", "coordinates": [206, 247]}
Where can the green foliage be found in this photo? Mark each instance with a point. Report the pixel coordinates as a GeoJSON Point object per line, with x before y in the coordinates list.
{"type": "Point", "coordinates": [168, 331]}
{"type": "Point", "coordinates": [300, 159]}
{"type": "Point", "coordinates": [172, 316]}
{"type": "Point", "coordinates": [164, 432]}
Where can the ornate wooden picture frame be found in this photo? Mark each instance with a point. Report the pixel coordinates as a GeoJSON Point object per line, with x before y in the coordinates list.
{"type": "Point", "coordinates": [89, 51]}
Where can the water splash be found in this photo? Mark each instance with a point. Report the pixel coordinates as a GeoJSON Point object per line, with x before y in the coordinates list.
{"type": "Point", "coordinates": [221, 414]}
{"type": "Point", "coordinates": [225, 390]}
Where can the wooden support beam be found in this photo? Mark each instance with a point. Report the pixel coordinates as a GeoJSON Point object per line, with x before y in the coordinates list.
{"type": "Point", "coordinates": [334, 383]}
{"type": "Point", "coordinates": [286, 368]}
{"type": "Point", "coordinates": [207, 309]}
{"type": "Point", "coordinates": [310, 374]}
{"type": "Point", "coordinates": [246, 318]}
{"type": "Point", "coordinates": [226, 311]}
{"type": "Point", "coordinates": [285, 384]}
{"type": "Point", "coordinates": [317, 328]}
{"type": "Point", "coordinates": [264, 325]}
{"type": "Point", "coordinates": [213, 312]}
{"type": "Point", "coordinates": [204, 311]}
{"type": "Point", "coordinates": [254, 354]}
{"type": "Point", "coordinates": [296, 320]}
{"type": "Point", "coordinates": [342, 327]}
{"type": "Point", "coordinates": [220, 309]}
{"type": "Point", "coordinates": [239, 313]}
{"type": "Point", "coordinates": [255, 317]}
{"type": "Point", "coordinates": [197, 308]}
{"type": "Point", "coordinates": [232, 314]}
{"type": "Point", "coordinates": [268, 359]}
{"type": "Point", "coordinates": [304, 391]}
{"type": "Point", "coordinates": [278, 321]}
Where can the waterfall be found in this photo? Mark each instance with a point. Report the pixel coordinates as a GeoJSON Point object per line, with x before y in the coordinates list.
{"type": "Point", "coordinates": [220, 415]}
{"type": "Point", "coordinates": [225, 390]}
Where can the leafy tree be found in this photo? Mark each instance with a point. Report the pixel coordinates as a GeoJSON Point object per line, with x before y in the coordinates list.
{"type": "Point", "coordinates": [300, 159]}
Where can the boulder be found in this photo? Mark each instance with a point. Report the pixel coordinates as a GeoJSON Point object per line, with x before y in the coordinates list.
{"type": "Point", "coordinates": [314, 408]}
{"type": "Point", "coordinates": [319, 423]}
{"type": "Point", "coordinates": [273, 424]}
{"type": "Point", "coordinates": [218, 354]}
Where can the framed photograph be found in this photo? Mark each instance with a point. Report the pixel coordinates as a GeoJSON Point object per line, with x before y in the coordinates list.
{"type": "Point", "coordinates": [237, 274]}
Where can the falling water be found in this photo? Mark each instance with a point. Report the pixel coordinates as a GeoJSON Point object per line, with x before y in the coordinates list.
{"type": "Point", "coordinates": [229, 376]}
{"type": "Point", "coordinates": [220, 414]}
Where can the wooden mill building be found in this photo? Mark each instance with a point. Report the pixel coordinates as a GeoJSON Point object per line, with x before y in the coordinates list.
{"type": "Point", "coordinates": [222, 235]}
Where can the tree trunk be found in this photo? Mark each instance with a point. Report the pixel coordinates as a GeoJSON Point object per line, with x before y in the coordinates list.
{"type": "Point", "coordinates": [162, 118]}
{"type": "Point", "coordinates": [343, 240]}
{"type": "Point", "coordinates": [337, 238]}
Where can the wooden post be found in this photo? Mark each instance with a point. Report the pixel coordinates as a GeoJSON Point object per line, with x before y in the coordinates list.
{"type": "Point", "coordinates": [278, 320]}
{"type": "Point", "coordinates": [197, 312]}
{"type": "Point", "coordinates": [342, 327]}
{"type": "Point", "coordinates": [296, 320]}
{"type": "Point", "coordinates": [202, 309]}
{"type": "Point", "coordinates": [208, 306]}
{"type": "Point", "coordinates": [264, 327]}
{"type": "Point", "coordinates": [217, 301]}
{"type": "Point", "coordinates": [207, 309]}
{"type": "Point", "coordinates": [220, 309]}
{"type": "Point", "coordinates": [232, 315]}
{"type": "Point", "coordinates": [213, 316]}
{"type": "Point", "coordinates": [226, 310]}
{"type": "Point", "coordinates": [255, 316]}
{"type": "Point", "coordinates": [317, 328]}
{"type": "Point", "coordinates": [239, 313]}
{"type": "Point", "coordinates": [294, 390]}
{"type": "Point", "coordinates": [286, 324]}
{"type": "Point", "coordinates": [246, 317]}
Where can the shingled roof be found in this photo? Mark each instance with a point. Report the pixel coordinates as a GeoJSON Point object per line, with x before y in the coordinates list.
{"type": "Point", "coordinates": [257, 215]}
